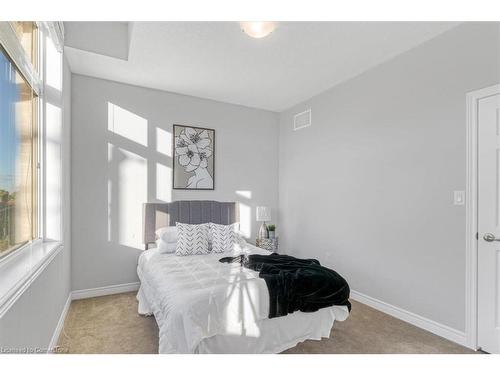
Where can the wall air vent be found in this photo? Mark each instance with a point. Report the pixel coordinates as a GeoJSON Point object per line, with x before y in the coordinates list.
{"type": "Point", "coordinates": [302, 120]}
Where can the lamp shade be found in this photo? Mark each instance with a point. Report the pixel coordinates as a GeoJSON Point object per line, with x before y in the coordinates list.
{"type": "Point", "coordinates": [263, 213]}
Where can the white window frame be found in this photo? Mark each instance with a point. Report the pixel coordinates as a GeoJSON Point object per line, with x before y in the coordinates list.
{"type": "Point", "coordinates": [15, 276]}
{"type": "Point", "coordinates": [16, 52]}
{"type": "Point", "coordinates": [10, 42]}
{"type": "Point", "coordinates": [22, 61]}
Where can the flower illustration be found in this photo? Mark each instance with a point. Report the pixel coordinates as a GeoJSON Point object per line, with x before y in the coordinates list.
{"type": "Point", "coordinates": [191, 136]}
{"type": "Point", "coordinates": [189, 157]}
{"type": "Point", "coordinates": [192, 149]}
{"type": "Point", "coordinates": [204, 155]}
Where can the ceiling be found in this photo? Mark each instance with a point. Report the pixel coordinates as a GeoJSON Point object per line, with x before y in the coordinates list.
{"type": "Point", "coordinates": [215, 60]}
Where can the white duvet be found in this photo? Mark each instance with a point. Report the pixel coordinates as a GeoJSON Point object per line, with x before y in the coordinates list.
{"type": "Point", "coordinates": [204, 306]}
{"type": "Point", "coordinates": [195, 297]}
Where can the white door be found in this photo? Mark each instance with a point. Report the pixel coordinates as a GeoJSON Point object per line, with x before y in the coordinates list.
{"type": "Point", "coordinates": [489, 224]}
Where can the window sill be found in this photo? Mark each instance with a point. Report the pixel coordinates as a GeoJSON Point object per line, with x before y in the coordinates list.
{"type": "Point", "coordinates": [19, 269]}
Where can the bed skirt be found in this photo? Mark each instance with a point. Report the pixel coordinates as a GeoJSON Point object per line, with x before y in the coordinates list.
{"type": "Point", "coordinates": [275, 336]}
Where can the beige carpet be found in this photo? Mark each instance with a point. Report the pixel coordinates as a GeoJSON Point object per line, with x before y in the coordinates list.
{"type": "Point", "coordinates": [111, 324]}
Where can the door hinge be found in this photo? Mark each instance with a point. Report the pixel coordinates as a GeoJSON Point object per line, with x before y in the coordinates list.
{"type": "Point", "coordinates": [477, 235]}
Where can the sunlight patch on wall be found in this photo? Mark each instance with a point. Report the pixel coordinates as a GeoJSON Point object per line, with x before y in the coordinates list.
{"type": "Point", "coordinates": [53, 65]}
{"type": "Point", "coordinates": [245, 219]}
{"type": "Point", "coordinates": [127, 191]}
{"type": "Point", "coordinates": [127, 124]}
{"type": "Point", "coordinates": [163, 142]}
{"type": "Point", "coordinates": [244, 193]}
{"type": "Point", "coordinates": [163, 183]}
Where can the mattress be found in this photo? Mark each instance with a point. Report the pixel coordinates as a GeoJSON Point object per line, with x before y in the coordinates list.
{"type": "Point", "coordinates": [204, 306]}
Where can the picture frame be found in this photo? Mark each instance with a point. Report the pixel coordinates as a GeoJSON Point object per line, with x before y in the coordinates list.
{"type": "Point", "coordinates": [193, 161]}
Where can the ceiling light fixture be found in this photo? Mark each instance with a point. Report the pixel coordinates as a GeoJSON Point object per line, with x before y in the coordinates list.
{"type": "Point", "coordinates": [259, 29]}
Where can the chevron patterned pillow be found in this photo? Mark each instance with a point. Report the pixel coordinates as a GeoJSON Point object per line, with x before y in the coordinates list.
{"type": "Point", "coordinates": [192, 239]}
{"type": "Point", "coordinates": [224, 237]}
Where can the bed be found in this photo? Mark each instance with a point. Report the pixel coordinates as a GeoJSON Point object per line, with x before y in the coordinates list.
{"type": "Point", "coordinates": [204, 306]}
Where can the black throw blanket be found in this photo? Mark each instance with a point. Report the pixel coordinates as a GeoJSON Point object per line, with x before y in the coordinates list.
{"type": "Point", "coordinates": [296, 284]}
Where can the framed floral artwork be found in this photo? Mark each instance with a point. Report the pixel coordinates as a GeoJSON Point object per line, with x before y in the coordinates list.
{"type": "Point", "coordinates": [194, 158]}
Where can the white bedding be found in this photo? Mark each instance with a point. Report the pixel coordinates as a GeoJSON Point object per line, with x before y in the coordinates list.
{"type": "Point", "coordinates": [204, 306]}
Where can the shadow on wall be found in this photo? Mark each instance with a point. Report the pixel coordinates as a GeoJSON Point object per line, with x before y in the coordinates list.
{"type": "Point", "coordinates": [139, 170]}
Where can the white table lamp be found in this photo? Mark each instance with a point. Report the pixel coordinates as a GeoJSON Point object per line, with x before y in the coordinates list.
{"type": "Point", "coordinates": [263, 214]}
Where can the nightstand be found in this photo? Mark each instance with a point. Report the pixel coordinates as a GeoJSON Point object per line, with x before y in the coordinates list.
{"type": "Point", "coordinates": [270, 244]}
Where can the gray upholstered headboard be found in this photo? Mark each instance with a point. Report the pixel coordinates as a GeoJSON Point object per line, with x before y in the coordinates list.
{"type": "Point", "coordinates": [157, 215]}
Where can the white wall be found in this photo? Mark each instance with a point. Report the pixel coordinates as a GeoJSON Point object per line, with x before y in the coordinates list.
{"type": "Point", "coordinates": [113, 173]}
{"type": "Point", "coordinates": [368, 189]}
{"type": "Point", "coordinates": [32, 319]}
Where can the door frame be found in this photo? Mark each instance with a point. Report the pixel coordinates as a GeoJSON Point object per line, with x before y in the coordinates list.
{"type": "Point", "coordinates": [471, 212]}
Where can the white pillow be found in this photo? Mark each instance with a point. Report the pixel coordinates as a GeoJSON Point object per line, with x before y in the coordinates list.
{"type": "Point", "coordinates": [167, 234]}
{"type": "Point", "coordinates": [166, 247]}
{"type": "Point", "coordinates": [192, 239]}
{"type": "Point", "coordinates": [225, 237]}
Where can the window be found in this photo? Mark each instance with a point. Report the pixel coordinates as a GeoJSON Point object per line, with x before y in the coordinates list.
{"type": "Point", "coordinates": [18, 148]}
{"type": "Point", "coordinates": [27, 33]}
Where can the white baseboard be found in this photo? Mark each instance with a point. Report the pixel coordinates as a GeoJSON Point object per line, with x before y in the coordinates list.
{"type": "Point", "coordinates": [105, 290]}
{"type": "Point", "coordinates": [409, 317]}
{"type": "Point", "coordinates": [60, 325]}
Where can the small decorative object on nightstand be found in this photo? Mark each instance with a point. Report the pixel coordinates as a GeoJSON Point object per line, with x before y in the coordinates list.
{"type": "Point", "coordinates": [271, 229]}
{"type": "Point", "coordinates": [270, 244]}
{"type": "Point", "coordinates": [263, 214]}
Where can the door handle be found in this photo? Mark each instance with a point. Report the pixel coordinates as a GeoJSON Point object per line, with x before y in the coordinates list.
{"type": "Point", "coordinates": [490, 237]}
